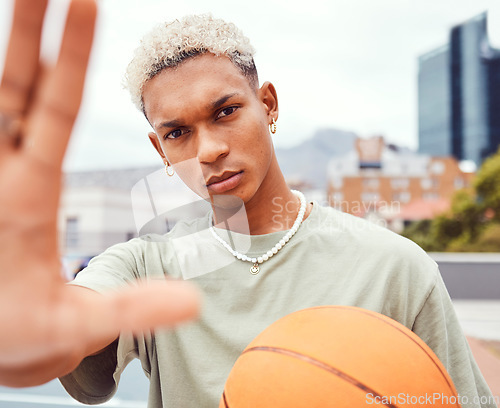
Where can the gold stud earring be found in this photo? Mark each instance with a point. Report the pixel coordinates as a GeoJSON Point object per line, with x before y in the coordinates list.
{"type": "Point", "coordinates": [272, 126]}
{"type": "Point", "coordinates": [169, 169]}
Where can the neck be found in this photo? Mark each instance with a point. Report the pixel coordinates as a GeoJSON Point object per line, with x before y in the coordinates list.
{"type": "Point", "coordinates": [272, 208]}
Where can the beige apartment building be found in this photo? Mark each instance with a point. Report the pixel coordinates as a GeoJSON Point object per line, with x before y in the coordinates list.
{"type": "Point", "coordinates": [393, 184]}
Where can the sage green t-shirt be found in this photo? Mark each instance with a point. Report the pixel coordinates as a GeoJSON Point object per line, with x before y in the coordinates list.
{"type": "Point", "coordinates": [334, 259]}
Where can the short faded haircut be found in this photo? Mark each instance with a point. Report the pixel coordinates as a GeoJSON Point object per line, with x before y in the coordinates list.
{"type": "Point", "coordinates": [168, 44]}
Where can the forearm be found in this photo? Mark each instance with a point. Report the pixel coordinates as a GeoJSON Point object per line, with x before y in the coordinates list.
{"type": "Point", "coordinates": [39, 372]}
{"type": "Point", "coordinates": [44, 340]}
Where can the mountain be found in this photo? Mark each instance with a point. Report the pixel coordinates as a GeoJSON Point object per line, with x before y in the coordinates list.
{"type": "Point", "coordinates": [308, 161]}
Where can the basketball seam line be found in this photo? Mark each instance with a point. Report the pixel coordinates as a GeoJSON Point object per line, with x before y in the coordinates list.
{"type": "Point", "coordinates": [321, 365]}
{"type": "Point", "coordinates": [224, 399]}
{"type": "Point", "coordinates": [361, 310]}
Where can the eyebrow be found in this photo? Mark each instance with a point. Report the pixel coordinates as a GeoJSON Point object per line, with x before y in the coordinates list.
{"type": "Point", "coordinates": [170, 124]}
{"type": "Point", "coordinates": [214, 105]}
{"type": "Point", "coordinates": [222, 100]}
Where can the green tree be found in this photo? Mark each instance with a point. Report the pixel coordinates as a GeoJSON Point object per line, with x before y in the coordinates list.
{"type": "Point", "coordinates": [487, 184]}
{"type": "Point", "coordinates": [466, 210]}
{"type": "Point", "coordinates": [420, 232]}
{"type": "Point", "coordinates": [473, 221]}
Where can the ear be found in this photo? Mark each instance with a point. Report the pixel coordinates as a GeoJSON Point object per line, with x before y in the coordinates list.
{"type": "Point", "coordinates": [267, 94]}
{"type": "Point", "coordinates": [156, 143]}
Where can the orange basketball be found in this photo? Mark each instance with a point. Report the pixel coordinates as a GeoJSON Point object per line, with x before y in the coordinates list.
{"type": "Point", "coordinates": [337, 356]}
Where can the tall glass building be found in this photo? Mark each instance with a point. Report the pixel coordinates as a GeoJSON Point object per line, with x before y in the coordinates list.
{"type": "Point", "coordinates": [434, 103]}
{"type": "Point", "coordinates": [459, 95]}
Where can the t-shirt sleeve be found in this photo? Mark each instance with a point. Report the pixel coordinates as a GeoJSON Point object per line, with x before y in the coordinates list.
{"type": "Point", "coordinates": [437, 324]}
{"type": "Point", "coordinates": [96, 379]}
{"type": "Point", "coordinates": [116, 267]}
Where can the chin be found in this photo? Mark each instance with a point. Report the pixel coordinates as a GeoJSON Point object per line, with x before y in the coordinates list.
{"type": "Point", "coordinates": [226, 201]}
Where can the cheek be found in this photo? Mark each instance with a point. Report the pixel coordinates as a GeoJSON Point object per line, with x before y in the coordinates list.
{"type": "Point", "coordinates": [175, 153]}
{"type": "Point", "coordinates": [259, 136]}
{"type": "Point", "coordinates": [190, 172]}
{"type": "Point", "coordinates": [185, 165]}
{"type": "Point", "coordinates": [263, 145]}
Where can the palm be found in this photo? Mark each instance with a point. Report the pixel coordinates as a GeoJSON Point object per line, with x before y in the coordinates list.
{"type": "Point", "coordinates": [42, 319]}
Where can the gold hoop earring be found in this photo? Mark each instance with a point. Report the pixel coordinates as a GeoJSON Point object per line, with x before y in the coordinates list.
{"type": "Point", "coordinates": [169, 169]}
{"type": "Point", "coordinates": [272, 126]}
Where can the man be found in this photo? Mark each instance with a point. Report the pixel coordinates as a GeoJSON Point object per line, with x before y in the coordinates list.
{"type": "Point", "coordinates": [195, 81]}
{"type": "Point", "coordinates": [212, 122]}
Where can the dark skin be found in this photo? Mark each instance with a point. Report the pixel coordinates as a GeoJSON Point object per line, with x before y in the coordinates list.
{"type": "Point", "coordinates": [211, 124]}
{"type": "Point", "coordinates": [48, 327]}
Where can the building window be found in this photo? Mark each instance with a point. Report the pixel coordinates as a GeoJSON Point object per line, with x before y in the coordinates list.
{"type": "Point", "coordinates": [337, 196]}
{"type": "Point", "coordinates": [429, 183]}
{"type": "Point", "coordinates": [337, 182]}
{"type": "Point", "coordinates": [369, 197]}
{"type": "Point", "coordinates": [371, 183]}
{"type": "Point", "coordinates": [459, 183]}
{"type": "Point", "coordinates": [370, 165]}
{"type": "Point", "coordinates": [426, 183]}
{"type": "Point", "coordinates": [71, 232]}
{"type": "Point", "coordinates": [402, 197]}
{"type": "Point", "coordinates": [437, 167]}
{"type": "Point", "coordinates": [400, 183]}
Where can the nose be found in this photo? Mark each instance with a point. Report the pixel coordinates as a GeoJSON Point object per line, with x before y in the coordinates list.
{"type": "Point", "coordinates": [212, 146]}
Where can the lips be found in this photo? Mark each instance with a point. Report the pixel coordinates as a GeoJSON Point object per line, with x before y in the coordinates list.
{"type": "Point", "coordinates": [225, 182]}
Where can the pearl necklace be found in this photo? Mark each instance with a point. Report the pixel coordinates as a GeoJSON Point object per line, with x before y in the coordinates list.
{"type": "Point", "coordinates": [255, 269]}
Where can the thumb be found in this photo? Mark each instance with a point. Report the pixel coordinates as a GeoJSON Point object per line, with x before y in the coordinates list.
{"type": "Point", "coordinates": [155, 304]}
{"type": "Point", "coordinates": [143, 307]}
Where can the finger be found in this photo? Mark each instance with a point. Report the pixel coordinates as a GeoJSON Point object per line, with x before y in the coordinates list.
{"type": "Point", "coordinates": [21, 62]}
{"type": "Point", "coordinates": [134, 309]}
{"type": "Point", "coordinates": [155, 304]}
{"type": "Point", "coordinates": [55, 111]}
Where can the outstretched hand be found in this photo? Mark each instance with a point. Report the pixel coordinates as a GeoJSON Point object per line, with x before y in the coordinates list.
{"type": "Point", "coordinates": [48, 327]}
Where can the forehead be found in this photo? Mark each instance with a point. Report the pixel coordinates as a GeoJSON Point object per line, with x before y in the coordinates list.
{"type": "Point", "coordinates": [194, 82]}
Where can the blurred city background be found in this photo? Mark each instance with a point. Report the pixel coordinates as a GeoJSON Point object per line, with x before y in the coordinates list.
{"type": "Point", "coordinates": [389, 110]}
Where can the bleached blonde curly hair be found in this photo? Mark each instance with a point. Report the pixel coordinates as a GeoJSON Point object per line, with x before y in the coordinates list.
{"type": "Point", "coordinates": [168, 44]}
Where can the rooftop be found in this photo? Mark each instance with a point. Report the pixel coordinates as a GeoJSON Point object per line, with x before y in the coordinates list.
{"type": "Point", "coordinates": [121, 179]}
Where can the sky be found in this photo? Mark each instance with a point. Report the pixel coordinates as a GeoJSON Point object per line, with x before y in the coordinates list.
{"type": "Point", "coordinates": [343, 64]}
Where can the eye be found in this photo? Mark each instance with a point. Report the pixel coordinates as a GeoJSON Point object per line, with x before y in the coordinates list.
{"type": "Point", "coordinates": [227, 111]}
{"type": "Point", "coordinates": [174, 134]}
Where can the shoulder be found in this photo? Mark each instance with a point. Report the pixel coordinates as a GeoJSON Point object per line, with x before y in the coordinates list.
{"type": "Point", "coordinates": [385, 272]}
{"type": "Point", "coordinates": [374, 243]}
{"type": "Point", "coordinates": [359, 229]}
